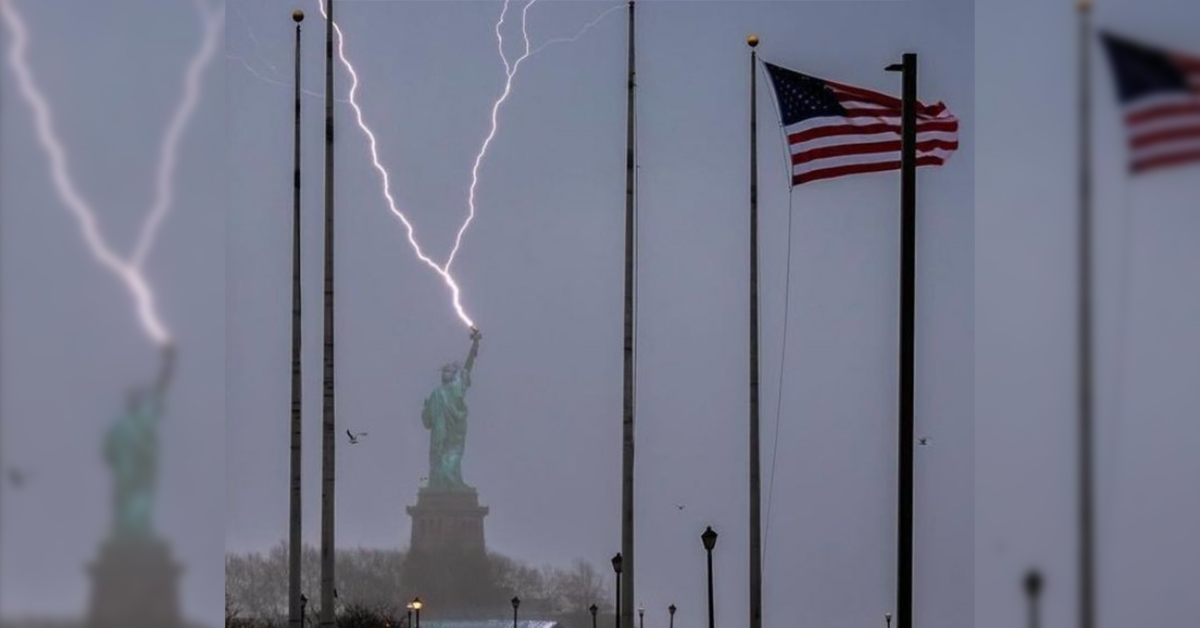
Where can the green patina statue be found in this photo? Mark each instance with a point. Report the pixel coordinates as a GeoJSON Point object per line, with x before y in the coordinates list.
{"type": "Point", "coordinates": [445, 416]}
{"type": "Point", "coordinates": [131, 451]}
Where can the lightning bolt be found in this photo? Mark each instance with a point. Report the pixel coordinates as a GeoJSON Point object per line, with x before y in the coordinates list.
{"type": "Point", "coordinates": [128, 271]}
{"type": "Point", "coordinates": [510, 71]}
{"type": "Point", "coordinates": [387, 186]}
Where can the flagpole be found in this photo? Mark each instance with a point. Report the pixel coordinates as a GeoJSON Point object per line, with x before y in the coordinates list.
{"type": "Point", "coordinates": [328, 436]}
{"type": "Point", "coordinates": [908, 264]}
{"type": "Point", "coordinates": [755, 480]}
{"type": "Point", "coordinates": [294, 536]}
{"type": "Point", "coordinates": [1084, 329]}
{"type": "Point", "coordinates": [627, 453]}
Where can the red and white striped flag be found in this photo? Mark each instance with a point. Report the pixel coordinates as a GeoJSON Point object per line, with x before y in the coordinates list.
{"type": "Point", "coordinates": [835, 130]}
{"type": "Point", "coordinates": [1159, 93]}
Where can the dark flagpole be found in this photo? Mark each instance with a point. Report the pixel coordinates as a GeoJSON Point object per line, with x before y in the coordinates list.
{"type": "Point", "coordinates": [1084, 339]}
{"type": "Point", "coordinates": [328, 440]}
{"type": "Point", "coordinates": [755, 493]}
{"type": "Point", "coordinates": [908, 267]}
{"type": "Point", "coordinates": [626, 610]}
{"type": "Point", "coordinates": [294, 548]}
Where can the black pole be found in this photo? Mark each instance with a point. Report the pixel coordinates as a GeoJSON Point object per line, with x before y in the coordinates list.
{"type": "Point", "coordinates": [908, 265]}
{"type": "Point", "coordinates": [593, 608]}
{"type": "Point", "coordinates": [755, 482]}
{"type": "Point", "coordinates": [711, 616]}
{"type": "Point", "coordinates": [1033, 587]}
{"type": "Point", "coordinates": [627, 454]}
{"type": "Point", "coordinates": [641, 617]}
{"type": "Point", "coordinates": [328, 429]}
{"type": "Point", "coordinates": [1084, 339]}
{"type": "Point", "coordinates": [295, 610]}
{"type": "Point", "coordinates": [671, 614]}
{"type": "Point", "coordinates": [617, 618]}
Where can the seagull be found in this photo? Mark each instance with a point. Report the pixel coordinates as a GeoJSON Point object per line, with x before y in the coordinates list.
{"type": "Point", "coordinates": [354, 436]}
{"type": "Point", "coordinates": [16, 477]}
{"type": "Point", "coordinates": [680, 506]}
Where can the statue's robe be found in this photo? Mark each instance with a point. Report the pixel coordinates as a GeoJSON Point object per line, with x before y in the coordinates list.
{"type": "Point", "coordinates": [445, 416]}
{"type": "Point", "coordinates": [131, 450]}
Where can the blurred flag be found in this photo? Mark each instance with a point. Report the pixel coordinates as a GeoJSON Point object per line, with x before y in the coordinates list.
{"type": "Point", "coordinates": [835, 130]}
{"type": "Point", "coordinates": [1159, 91]}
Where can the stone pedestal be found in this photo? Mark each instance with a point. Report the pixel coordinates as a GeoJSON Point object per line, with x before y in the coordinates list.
{"type": "Point", "coordinates": [447, 564]}
{"type": "Point", "coordinates": [135, 584]}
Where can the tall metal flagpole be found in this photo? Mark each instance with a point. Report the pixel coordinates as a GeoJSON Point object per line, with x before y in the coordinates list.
{"type": "Point", "coordinates": [1084, 339]}
{"type": "Point", "coordinates": [908, 266]}
{"type": "Point", "coordinates": [626, 610]}
{"type": "Point", "coordinates": [295, 618]}
{"type": "Point", "coordinates": [328, 440]}
{"type": "Point", "coordinates": [755, 480]}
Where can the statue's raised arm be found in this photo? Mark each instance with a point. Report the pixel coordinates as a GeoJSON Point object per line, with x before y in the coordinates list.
{"type": "Point", "coordinates": [165, 372]}
{"type": "Point", "coordinates": [475, 338]}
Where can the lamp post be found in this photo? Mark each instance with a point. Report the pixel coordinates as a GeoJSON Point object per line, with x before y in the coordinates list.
{"type": "Point", "coordinates": [516, 602]}
{"type": "Point", "coordinates": [416, 606]}
{"type": "Point", "coordinates": [1033, 588]}
{"type": "Point", "coordinates": [616, 563]}
{"type": "Point", "coordinates": [888, 618]}
{"type": "Point", "coordinates": [593, 608]}
{"type": "Point", "coordinates": [409, 606]}
{"type": "Point", "coordinates": [671, 612]}
{"type": "Point", "coordinates": [641, 616]}
{"type": "Point", "coordinates": [709, 538]}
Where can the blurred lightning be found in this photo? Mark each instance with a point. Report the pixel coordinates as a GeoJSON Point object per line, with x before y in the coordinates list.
{"type": "Point", "coordinates": [510, 71]}
{"type": "Point", "coordinates": [129, 271]}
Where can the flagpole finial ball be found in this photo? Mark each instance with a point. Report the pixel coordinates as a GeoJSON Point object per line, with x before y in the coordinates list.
{"type": "Point", "coordinates": [297, 16]}
{"type": "Point", "coordinates": [752, 40]}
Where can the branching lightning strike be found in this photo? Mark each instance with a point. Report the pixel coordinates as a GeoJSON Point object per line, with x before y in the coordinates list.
{"type": "Point", "coordinates": [129, 271]}
{"type": "Point", "coordinates": [510, 71]}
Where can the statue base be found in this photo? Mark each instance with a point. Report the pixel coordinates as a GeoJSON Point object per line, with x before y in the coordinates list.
{"type": "Point", "coordinates": [135, 584]}
{"type": "Point", "coordinates": [447, 564]}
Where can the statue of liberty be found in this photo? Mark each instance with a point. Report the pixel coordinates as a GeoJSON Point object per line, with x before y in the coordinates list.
{"type": "Point", "coordinates": [445, 416]}
{"type": "Point", "coordinates": [131, 452]}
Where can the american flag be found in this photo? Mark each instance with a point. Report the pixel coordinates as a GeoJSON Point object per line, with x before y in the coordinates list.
{"type": "Point", "coordinates": [835, 130]}
{"type": "Point", "coordinates": [1159, 92]}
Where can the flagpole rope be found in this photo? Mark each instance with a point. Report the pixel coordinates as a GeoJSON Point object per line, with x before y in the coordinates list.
{"type": "Point", "coordinates": [786, 310]}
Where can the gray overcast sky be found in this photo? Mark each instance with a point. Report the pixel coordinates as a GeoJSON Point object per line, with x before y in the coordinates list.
{"type": "Point", "coordinates": [541, 273]}
{"type": "Point", "coordinates": [1147, 340]}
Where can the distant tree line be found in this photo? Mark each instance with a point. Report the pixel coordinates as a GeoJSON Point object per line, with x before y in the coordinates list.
{"type": "Point", "coordinates": [367, 582]}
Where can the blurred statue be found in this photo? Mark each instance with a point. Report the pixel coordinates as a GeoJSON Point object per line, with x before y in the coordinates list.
{"type": "Point", "coordinates": [445, 416]}
{"type": "Point", "coordinates": [131, 451]}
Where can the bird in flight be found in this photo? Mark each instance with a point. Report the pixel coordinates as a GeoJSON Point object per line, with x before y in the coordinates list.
{"type": "Point", "coordinates": [16, 477]}
{"type": "Point", "coordinates": [924, 440]}
{"type": "Point", "coordinates": [680, 506]}
{"type": "Point", "coordinates": [354, 436]}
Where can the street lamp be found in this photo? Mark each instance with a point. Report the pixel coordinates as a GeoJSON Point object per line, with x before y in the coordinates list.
{"type": "Point", "coordinates": [416, 604]}
{"type": "Point", "coordinates": [671, 612]}
{"type": "Point", "coordinates": [709, 538]}
{"type": "Point", "coordinates": [641, 616]}
{"type": "Point", "coordinates": [1033, 588]}
{"type": "Point", "coordinates": [516, 602]}
{"type": "Point", "coordinates": [593, 610]}
{"type": "Point", "coordinates": [888, 618]}
{"type": "Point", "coordinates": [409, 606]}
{"type": "Point", "coordinates": [616, 563]}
